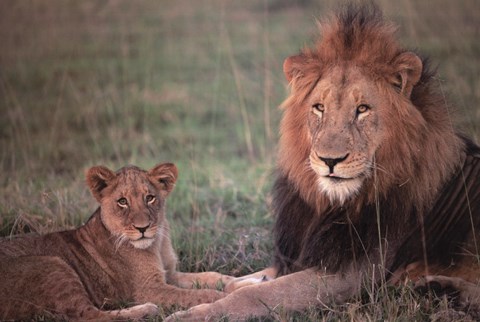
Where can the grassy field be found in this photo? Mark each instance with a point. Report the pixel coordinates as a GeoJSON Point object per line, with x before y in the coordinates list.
{"type": "Point", "coordinates": [196, 83]}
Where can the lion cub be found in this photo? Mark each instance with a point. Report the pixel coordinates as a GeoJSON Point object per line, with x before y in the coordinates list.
{"type": "Point", "coordinates": [122, 254]}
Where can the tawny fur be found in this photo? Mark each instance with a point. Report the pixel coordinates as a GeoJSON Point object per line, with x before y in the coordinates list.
{"type": "Point", "coordinates": [371, 177]}
{"type": "Point", "coordinates": [74, 274]}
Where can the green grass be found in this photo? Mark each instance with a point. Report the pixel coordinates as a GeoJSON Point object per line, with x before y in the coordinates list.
{"type": "Point", "coordinates": [196, 83]}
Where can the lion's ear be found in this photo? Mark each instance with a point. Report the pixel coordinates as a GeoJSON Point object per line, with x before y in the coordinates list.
{"type": "Point", "coordinates": [98, 178]}
{"type": "Point", "coordinates": [293, 66]}
{"type": "Point", "coordinates": [408, 70]}
{"type": "Point", "coordinates": [164, 176]}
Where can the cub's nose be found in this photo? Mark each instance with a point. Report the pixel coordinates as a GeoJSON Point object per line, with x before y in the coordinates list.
{"type": "Point", "coordinates": [142, 229]}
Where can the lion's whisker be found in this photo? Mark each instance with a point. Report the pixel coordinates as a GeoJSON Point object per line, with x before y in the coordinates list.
{"type": "Point", "coordinates": [375, 166]}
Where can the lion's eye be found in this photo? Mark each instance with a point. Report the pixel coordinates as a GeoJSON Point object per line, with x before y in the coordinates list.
{"type": "Point", "coordinates": [362, 108]}
{"type": "Point", "coordinates": [150, 199]}
{"type": "Point", "coordinates": [122, 202]}
{"type": "Point", "coordinates": [318, 108]}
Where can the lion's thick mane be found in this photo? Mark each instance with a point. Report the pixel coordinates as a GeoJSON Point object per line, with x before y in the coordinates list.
{"type": "Point", "coordinates": [420, 155]}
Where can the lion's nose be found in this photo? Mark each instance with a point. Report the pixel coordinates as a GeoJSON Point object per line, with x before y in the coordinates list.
{"type": "Point", "coordinates": [142, 229]}
{"type": "Point", "coordinates": [332, 162]}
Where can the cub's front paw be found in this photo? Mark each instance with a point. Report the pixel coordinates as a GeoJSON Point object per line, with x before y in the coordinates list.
{"type": "Point", "coordinates": [240, 282]}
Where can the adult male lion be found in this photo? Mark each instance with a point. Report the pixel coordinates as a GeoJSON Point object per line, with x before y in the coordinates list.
{"type": "Point", "coordinates": [122, 254]}
{"type": "Point", "coordinates": [372, 179]}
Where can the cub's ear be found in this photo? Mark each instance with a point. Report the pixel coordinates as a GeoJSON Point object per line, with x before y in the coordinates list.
{"type": "Point", "coordinates": [408, 69]}
{"type": "Point", "coordinates": [164, 176]}
{"type": "Point", "coordinates": [98, 179]}
{"type": "Point", "coordinates": [293, 66]}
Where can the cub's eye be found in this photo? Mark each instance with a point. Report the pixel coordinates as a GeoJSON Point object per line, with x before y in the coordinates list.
{"type": "Point", "coordinates": [150, 199]}
{"type": "Point", "coordinates": [122, 202]}
{"type": "Point", "coordinates": [318, 108]}
{"type": "Point", "coordinates": [362, 108]}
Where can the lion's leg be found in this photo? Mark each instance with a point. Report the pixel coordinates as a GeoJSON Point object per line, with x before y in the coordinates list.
{"type": "Point", "coordinates": [292, 292]}
{"type": "Point", "coordinates": [212, 280]}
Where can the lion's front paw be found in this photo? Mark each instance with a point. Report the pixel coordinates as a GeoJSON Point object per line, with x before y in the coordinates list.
{"type": "Point", "coordinates": [438, 285]}
{"type": "Point", "coordinates": [462, 292]}
{"type": "Point", "coordinates": [196, 313]}
{"type": "Point", "coordinates": [136, 312]}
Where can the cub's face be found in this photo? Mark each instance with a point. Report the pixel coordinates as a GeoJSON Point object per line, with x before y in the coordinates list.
{"type": "Point", "coordinates": [132, 201]}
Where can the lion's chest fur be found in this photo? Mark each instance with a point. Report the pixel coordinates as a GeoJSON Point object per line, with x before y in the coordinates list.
{"type": "Point", "coordinates": [331, 241]}
{"type": "Point", "coordinates": [105, 271]}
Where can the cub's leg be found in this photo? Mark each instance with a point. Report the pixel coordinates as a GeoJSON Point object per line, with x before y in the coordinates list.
{"type": "Point", "coordinates": [168, 295]}
{"type": "Point", "coordinates": [211, 280]}
{"type": "Point", "coordinates": [45, 285]}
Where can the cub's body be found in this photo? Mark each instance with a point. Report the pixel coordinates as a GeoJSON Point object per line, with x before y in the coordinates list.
{"type": "Point", "coordinates": [121, 255]}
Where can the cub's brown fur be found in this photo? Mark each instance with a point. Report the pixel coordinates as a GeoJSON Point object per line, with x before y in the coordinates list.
{"type": "Point", "coordinates": [371, 177]}
{"type": "Point", "coordinates": [122, 254]}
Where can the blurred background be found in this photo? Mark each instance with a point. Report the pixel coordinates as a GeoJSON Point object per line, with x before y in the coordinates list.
{"type": "Point", "coordinates": [197, 83]}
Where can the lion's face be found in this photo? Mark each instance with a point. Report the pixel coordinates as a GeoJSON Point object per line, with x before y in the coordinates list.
{"type": "Point", "coordinates": [340, 117]}
{"type": "Point", "coordinates": [345, 127]}
{"type": "Point", "coordinates": [132, 201]}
